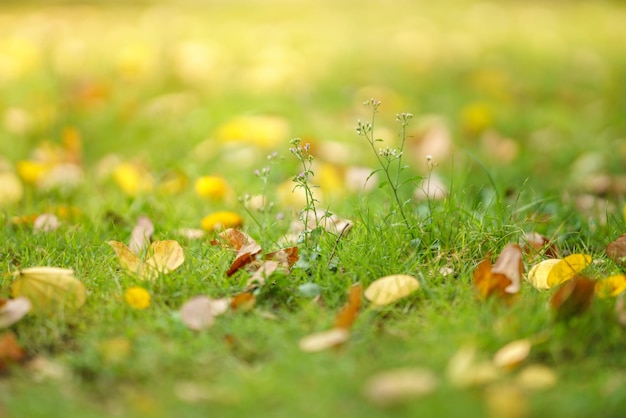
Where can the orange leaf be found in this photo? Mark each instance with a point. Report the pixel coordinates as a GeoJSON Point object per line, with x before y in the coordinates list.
{"type": "Point", "coordinates": [10, 350]}
{"type": "Point", "coordinates": [573, 298]}
{"type": "Point", "coordinates": [242, 302]}
{"type": "Point", "coordinates": [489, 283]}
{"type": "Point", "coordinates": [510, 264]}
{"type": "Point", "coordinates": [245, 255]}
{"type": "Point", "coordinates": [232, 238]}
{"type": "Point", "coordinates": [285, 256]}
{"type": "Point", "coordinates": [347, 315]}
{"type": "Point", "coordinates": [616, 250]}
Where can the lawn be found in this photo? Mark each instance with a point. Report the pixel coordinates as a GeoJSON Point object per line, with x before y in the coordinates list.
{"type": "Point", "coordinates": [501, 128]}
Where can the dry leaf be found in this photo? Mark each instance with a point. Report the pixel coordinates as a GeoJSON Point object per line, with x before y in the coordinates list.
{"type": "Point", "coordinates": [162, 258]}
{"type": "Point", "coordinates": [538, 274]}
{"type": "Point", "coordinates": [393, 387]}
{"type": "Point", "coordinates": [616, 250]}
{"type": "Point", "coordinates": [388, 289]}
{"type": "Point", "coordinates": [510, 264]}
{"type": "Point", "coordinates": [245, 255]}
{"type": "Point", "coordinates": [199, 312]}
{"type": "Point", "coordinates": [539, 244]}
{"type": "Point", "coordinates": [46, 222]}
{"type": "Point", "coordinates": [537, 377]}
{"type": "Point", "coordinates": [13, 310]}
{"type": "Point", "coordinates": [140, 236]}
{"type": "Point", "coordinates": [348, 314]}
{"type": "Point", "coordinates": [512, 354]}
{"type": "Point", "coordinates": [573, 298]}
{"type": "Point", "coordinates": [464, 371]}
{"type": "Point", "coordinates": [258, 278]}
{"type": "Point", "coordinates": [49, 288]}
{"type": "Point", "coordinates": [233, 238]}
{"type": "Point", "coordinates": [242, 302]}
{"type": "Point", "coordinates": [568, 268]}
{"type": "Point", "coordinates": [489, 283]}
{"type": "Point", "coordinates": [287, 257]}
{"type": "Point", "coordinates": [324, 340]}
{"type": "Point", "coordinates": [10, 350]}
{"type": "Point", "coordinates": [611, 286]}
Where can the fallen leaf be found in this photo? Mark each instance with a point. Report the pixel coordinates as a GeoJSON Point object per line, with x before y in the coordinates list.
{"type": "Point", "coordinates": [263, 272]}
{"type": "Point", "coordinates": [324, 340]}
{"type": "Point", "coordinates": [287, 257]}
{"type": "Point", "coordinates": [616, 250]}
{"type": "Point", "coordinates": [233, 238]}
{"type": "Point", "coordinates": [388, 289]}
{"type": "Point", "coordinates": [568, 268]}
{"type": "Point", "coordinates": [245, 255]}
{"type": "Point", "coordinates": [537, 377]}
{"type": "Point", "coordinates": [162, 258]}
{"type": "Point", "coordinates": [465, 371]}
{"type": "Point", "coordinates": [46, 222]}
{"type": "Point", "coordinates": [611, 286]}
{"type": "Point", "coordinates": [539, 244]}
{"type": "Point", "coordinates": [538, 274]}
{"type": "Point", "coordinates": [242, 302]}
{"type": "Point", "coordinates": [348, 314]}
{"type": "Point", "coordinates": [573, 298]}
{"type": "Point", "coordinates": [49, 288]}
{"type": "Point", "coordinates": [140, 236]}
{"type": "Point", "coordinates": [489, 283]}
{"type": "Point", "coordinates": [512, 354]}
{"type": "Point", "coordinates": [42, 368]}
{"type": "Point", "coordinates": [13, 310]}
{"type": "Point", "coordinates": [510, 264]}
{"type": "Point", "coordinates": [10, 350]}
{"type": "Point", "coordinates": [199, 312]}
{"type": "Point", "coordinates": [394, 387]}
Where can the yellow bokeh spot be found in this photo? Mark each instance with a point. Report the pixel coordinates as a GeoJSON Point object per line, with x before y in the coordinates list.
{"type": "Point", "coordinates": [263, 131]}
{"type": "Point", "coordinates": [132, 179]}
{"type": "Point", "coordinates": [612, 286]}
{"type": "Point", "coordinates": [331, 180]}
{"type": "Point", "coordinates": [221, 220]}
{"type": "Point", "coordinates": [31, 171]}
{"type": "Point", "coordinates": [211, 187]}
{"type": "Point", "coordinates": [137, 297]}
{"type": "Point", "coordinates": [476, 117]}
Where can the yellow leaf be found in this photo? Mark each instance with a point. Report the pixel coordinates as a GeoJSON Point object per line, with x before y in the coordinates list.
{"type": "Point", "coordinates": [323, 340]}
{"type": "Point", "coordinates": [162, 258]}
{"type": "Point", "coordinates": [537, 377]}
{"type": "Point", "coordinates": [49, 288]}
{"type": "Point", "coordinates": [568, 268]}
{"type": "Point", "coordinates": [512, 354]}
{"type": "Point", "coordinates": [612, 286]}
{"type": "Point", "coordinates": [538, 275]}
{"type": "Point", "coordinates": [31, 172]}
{"type": "Point", "coordinates": [137, 297]}
{"type": "Point", "coordinates": [391, 288]}
{"type": "Point", "coordinates": [11, 189]}
{"type": "Point", "coordinates": [133, 179]}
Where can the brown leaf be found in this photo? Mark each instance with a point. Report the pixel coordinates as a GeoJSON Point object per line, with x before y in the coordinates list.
{"type": "Point", "coordinates": [264, 271]}
{"type": "Point", "coordinates": [140, 237]}
{"type": "Point", "coordinates": [616, 250]}
{"type": "Point", "coordinates": [242, 302]}
{"type": "Point", "coordinates": [245, 255]}
{"type": "Point", "coordinates": [348, 314]}
{"type": "Point", "coordinates": [10, 350]}
{"type": "Point", "coordinates": [199, 312]}
{"type": "Point", "coordinates": [489, 283]}
{"type": "Point", "coordinates": [510, 264]}
{"type": "Point", "coordinates": [233, 238]}
{"type": "Point", "coordinates": [286, 256]}
{"type": "Point", "coordinates": [538, 243]}
{"type": "Point", "coordinates": [573, 298]}
{"type": "Point", "coordinates": [13, 310]}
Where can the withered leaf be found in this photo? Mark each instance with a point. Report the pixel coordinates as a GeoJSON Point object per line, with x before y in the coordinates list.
{"type": "Point", "coordinates": [616, 250]}
{"type": "Point", "coordinates": [10, 350]}
{"type": "Point", "coordinates": [242, 302]}
{"type": "Point", "coordinates": [140, 236]}
{"type": "Point", "coordinates": [573, 298]}
{"type": "Point", "coordinates": [287, 257]}
{"type": "Point", "coordinates": [510, 264]}
{"type": "Point", "coordinates": [348, 314]}
{"type": "Point", "coordinates": [489, 283]}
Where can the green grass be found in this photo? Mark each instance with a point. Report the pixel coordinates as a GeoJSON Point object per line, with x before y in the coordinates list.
{"type": "Point", "coordinates": [546, 75]}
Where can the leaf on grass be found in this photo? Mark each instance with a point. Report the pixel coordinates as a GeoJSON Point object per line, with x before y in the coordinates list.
{"type": "Point", "coordinates": [287, 257]}
{"type": "Point", "coordinates": [489, 283]}
{"type": "Point", "coordinates": [199, 312]}
{"type": "Point", "coordinates": [512, 354]}
{"type": "Point", "coordinates": [10, 350]}
{"type": "Point", "coordinates": [465, 371]}
{"type": "Point", "coordinates": [537, 377]}
{"type": "Point", "coordinates": [13, 310]}
{"type": "Point", "coordinates": [611, 286]}
{"type": "Point", "coordinates": [263, 272]}
{"type": "Point", "coordinates": [348, 314]}
{"type": "Point", "coordinates": [242, 302]}
{"type": "Point", "coordinates": [395, 387]}
{"type": "Point", "coordinates": [324, 340]}
{"type": "Point", "coordinates": [616, 250]}
{"type": "Point", "coordinates": [388, 289]}
{"type": "Point", "coordinates": [232, 238]}
{"type": "Point", "coordinates": [510, 264]}
{"type": "Point", "coordinates": [540, 244]}
{"type": "Point", "coordinates": [573, 298]}
{"type": "Point", "coordinates": [245, 255]}
{"type": "Point", "coordinates": [568, 268]}
{"type": "Point", "coordinates": [162, 257]}
{"type": "Point", "coordinates": [140, 236]}
{"type": "Point", "coordinates": [538, 274]}
{"type": "Point", "coordinates": [49, 288]}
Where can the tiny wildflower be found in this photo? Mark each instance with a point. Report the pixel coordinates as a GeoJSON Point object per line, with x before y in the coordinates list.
{"type": "Point", "coordinates": [137, 297]}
